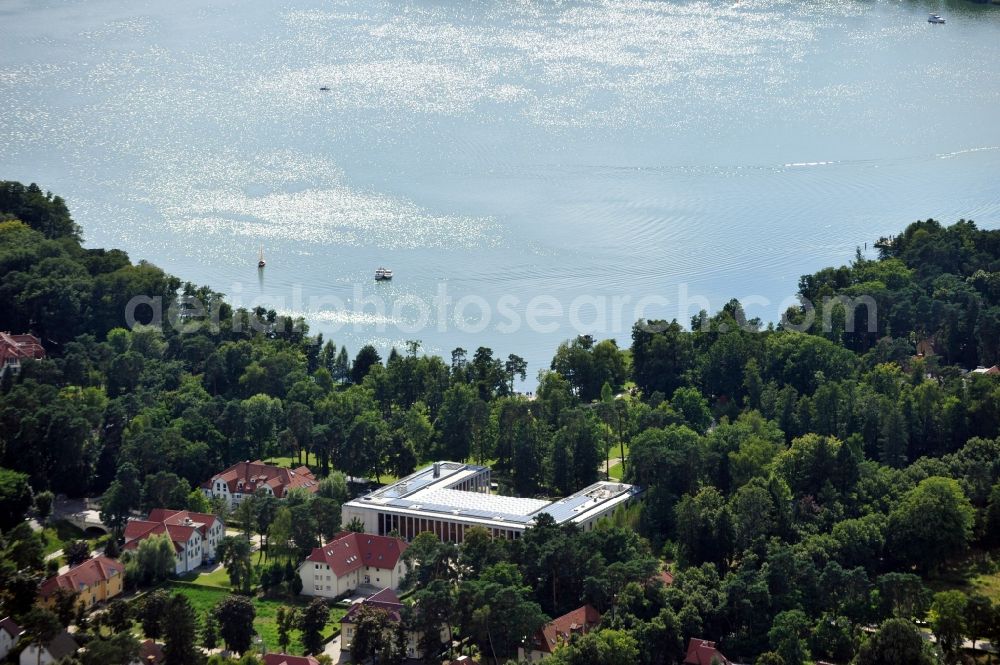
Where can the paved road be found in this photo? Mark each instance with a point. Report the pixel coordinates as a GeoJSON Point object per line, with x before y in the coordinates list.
{"type": "Point", "coordinates": [333, 651]}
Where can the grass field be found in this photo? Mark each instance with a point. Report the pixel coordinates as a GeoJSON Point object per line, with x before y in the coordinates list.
{"type": "Point", "coordinates": [60, 533]}
{"type": "Point", "coordinates": [204, 598]}
{"type": "Point", "coordinates": [218, 579]}
{"type": "Point", "coordinates": [979, 574]}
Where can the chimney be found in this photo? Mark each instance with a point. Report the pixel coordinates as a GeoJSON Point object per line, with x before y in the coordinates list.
{"type": "Point", "coordinates": [437, 469]}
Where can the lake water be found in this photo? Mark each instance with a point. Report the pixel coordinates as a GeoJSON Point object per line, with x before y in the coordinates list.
{"type": "Point", "coordinates": [518, 158]}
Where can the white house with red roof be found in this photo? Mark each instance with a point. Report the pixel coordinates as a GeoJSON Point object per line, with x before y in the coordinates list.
{"type": "Point", "coordinates": [387, 601]}
{"type": "Point", "coordinates": [245, 478]}
{"type": "Point", "coordinates": [15, 348]}
{"type": "Point", "coordinates": [59, 647]}
{"type": "Point", "coordinates": [351, 560]}
{"type": "Point", "coordinates": [195, 535]}
{"type": "Point", "coordinates": [557, 632]}
{"type": "Point", "coordinates": [10, 635]}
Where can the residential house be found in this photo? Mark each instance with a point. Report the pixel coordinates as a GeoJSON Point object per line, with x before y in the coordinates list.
{"type": "Point", "coordinates": [351, 560]}
{"type": "Point", "coordinates": [10, 635]}
{"type": "Point", "coordinates": [15, 348]}
{"type": "Point", "coordinates": [664, 576]}
{"type": "Point", "coordinates": [703, 652]}
{"type": "Point", "coordinates": [559, 631]}
{"type": "Point", "coordinates": [285, 659]}
{"type": "Point", "coordinates": [150, 653]}
{"type": "Point", "coordinates": [195, 535]}
{"type": "Point", "coordinates": [95, 580]}
{"type": "Point", "coordinates": [61, 646]}
{"type": "Point", "coordinates": [245, 478]}
{"type": "Point", "coordinates": [388, 601]}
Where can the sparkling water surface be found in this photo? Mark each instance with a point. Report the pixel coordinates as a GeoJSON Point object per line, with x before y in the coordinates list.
{"type": "Point", "coordinates": [499, 151]}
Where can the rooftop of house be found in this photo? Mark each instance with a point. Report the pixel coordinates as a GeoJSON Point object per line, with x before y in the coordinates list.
{"type": "Point", "coordinates": [247, 477]}
{"type": "Point", "coordinates": [87, 574]}
{"type": "Point", "coordinates": [151, 653]}
{"type": "Point", "coordinates": [180, 525]}
{"type": "Point", "coordinates": [348, 551]}
{"type": "Point", "coordinates": [20, 346]}
{"type": "Point", "coordinates": [386, 599]}
{"type": "Point", "coordinates": [138, 530]}
{"type": "Point", "coordinates": [701, 652]}
{"type": "Point", "coordinates": [559, 630]}
{"type": "Point", "coordinates": [8, 626]}
{"type": "Point", "coordinates": [61, 646]}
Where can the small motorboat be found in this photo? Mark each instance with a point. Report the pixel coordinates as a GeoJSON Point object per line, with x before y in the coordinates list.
{"type": "Point", "coordinates": [260, 260]}
{"type": "Point", "coordinates": [324, 88]}
{"type": "Point", "coordinates": [382, 274]}
{"type": "Point", "coordinates": [935, 18]}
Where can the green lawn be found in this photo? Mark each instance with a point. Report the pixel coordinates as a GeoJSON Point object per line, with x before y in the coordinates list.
{"type": "Point", "coordinates": [616, 471]}
{"type": "Point", "coordinates": [218, 578]}
{"type": "Point", "coordinates": [204, 598]}
{"type": "Point", "coordinates": [977, 574]}
{"type": "Point", "coordinates": [290, 462]}
{"type": "Point", "coordinates": [60, 533]}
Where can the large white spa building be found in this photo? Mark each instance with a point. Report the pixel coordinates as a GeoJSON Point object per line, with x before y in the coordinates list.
{"type": "Point", "coordinates": [447, 498]}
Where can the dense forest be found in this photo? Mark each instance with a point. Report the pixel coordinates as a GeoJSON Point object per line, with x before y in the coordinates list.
{"type": "Point", "coordinates": [810, 487]}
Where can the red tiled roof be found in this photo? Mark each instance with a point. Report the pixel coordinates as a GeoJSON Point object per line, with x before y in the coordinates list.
{"type": "Point", "coordinates": [246, 477]}
{"type": "Point", "coordinates": [386, 599]}
{"type": "Point", "coordinates": [285, 659]}
{"type": "Point", "coordinates": [88, 574]}
{"type": "Point", "coordinates": [349, 551]}
{"type": "Point", "coordinates": [150, 652]}
{"type": "Point", "coordinates": [701, 652]}
{"type": "Point", "coordinates": [138, 530]}
{"type": "Point", "coordinates": [202, 521]}
{"type": "Point", "coordinates": [19, 346]}
{"type": "Point", "coordinates": [579, 621]}
{"type": "Point", "coordinates": [8, 626]}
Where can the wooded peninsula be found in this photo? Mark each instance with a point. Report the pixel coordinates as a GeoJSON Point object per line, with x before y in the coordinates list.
{"type": "Point", "coordinates": [829, 493]}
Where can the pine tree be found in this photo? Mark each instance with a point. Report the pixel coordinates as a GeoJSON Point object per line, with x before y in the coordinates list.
{"type": "Point", "coordinates": [180, 632]}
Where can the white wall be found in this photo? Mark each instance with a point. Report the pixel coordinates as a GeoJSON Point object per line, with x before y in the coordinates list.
{"type": "Point", "coordinates": [7, 643]}
{"type": "Point", "coordinates": [30, 656]}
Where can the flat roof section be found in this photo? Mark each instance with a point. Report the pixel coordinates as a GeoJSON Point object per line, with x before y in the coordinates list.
{"type": "Point", "coordinates": [589, 498]}
{"type": "Point", "coordinates": [421, 493]}
{"type": "Point", "coordinates": [508, 506]}
{"type": "Point", "coordinates": [450, 473]}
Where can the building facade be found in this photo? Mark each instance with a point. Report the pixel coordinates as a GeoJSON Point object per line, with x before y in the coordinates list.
{"type": "Point", "coordinates": [351, 560]}
{"type": "Point", "coordinates": [15, 348]}
{"type": "Point", "coordinates": [387, 601]}
{"type": "Point", "coordinates": [10, 635]}
{"type": "Point", "coordinates": [96, 580]}
{"type": "Point", "coordinates": [245, 478]}
{"type": "Point", "coordinates": [195, 535]}
{"type": "Point", "coordinates": [61, 646]}
{"type": "Point", "coordinates": [447, 498]}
